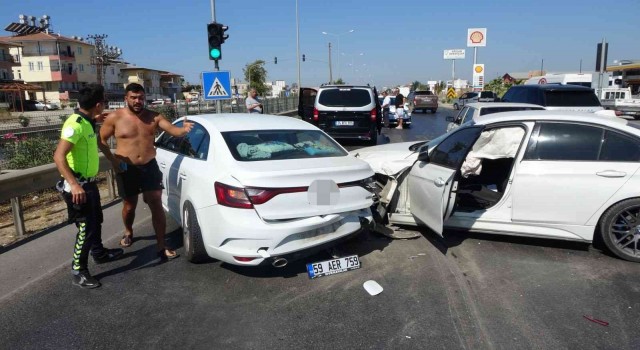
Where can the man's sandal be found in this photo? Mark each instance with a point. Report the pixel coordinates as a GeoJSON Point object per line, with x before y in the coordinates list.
{"type": "Point", "coordinates": [166, 257]}
{"type": "Point", "coordinates": [126, 241]}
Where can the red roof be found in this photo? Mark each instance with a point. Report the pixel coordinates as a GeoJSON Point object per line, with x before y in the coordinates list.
{"type": "Point", "coordinates": [40, 37]}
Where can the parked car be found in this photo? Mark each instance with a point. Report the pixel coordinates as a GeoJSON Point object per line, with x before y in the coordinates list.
{"type": "Point", "coordinates": [473, 110]}
{"type": "Point", "coordinates": [343, 111]}
{"type": "Point", "coordinates": [24, 105]}
{"type": "Point", "coordinates": [545, 174]}
{"type": "Point", "coordinates": [41, 106]}
{"type": "Point", "coordinates": [249, 190]}
{"type": "Point", "coordinates": [467, 97]}
{"type": "Point", "coordinates": [424, 100]}
{"type": "Point", "coordinates": [557, 97]}
{"type": "Point", "coordinates": [391, 117]}
{"type": "Point", "coordinates": [488, 96]}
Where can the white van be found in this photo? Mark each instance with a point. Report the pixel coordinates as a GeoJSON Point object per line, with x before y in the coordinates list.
{"type": "Point", "coordinates": [582, 79]}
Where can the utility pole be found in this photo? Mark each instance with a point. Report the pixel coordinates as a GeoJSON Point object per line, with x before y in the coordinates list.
{"type": "Point", "coordinates": [297, 44]}
{"type": "Point", "coordinates": [217, 68]}
{"type": "Point", "coordinates": [103, 55]}
{"type": "Point", "coordinates": [330, 71]}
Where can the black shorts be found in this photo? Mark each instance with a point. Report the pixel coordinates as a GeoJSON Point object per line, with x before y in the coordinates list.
{"type": "Point", "coordinates": [139, 178]}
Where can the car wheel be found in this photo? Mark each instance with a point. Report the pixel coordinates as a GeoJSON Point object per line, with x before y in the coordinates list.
{"type": "Point", "coordinates": [456, 107]}
{"type": "Point", "coordinates": [374, 136]}
{"type": "Point", "coordinates": [434, 110]}
{"type": "Point", "coordinates": [192, 236]}
{"type": "Point", "coordinates": [45, 109]}
{"type": "Point", "coordinates": [620, 229]}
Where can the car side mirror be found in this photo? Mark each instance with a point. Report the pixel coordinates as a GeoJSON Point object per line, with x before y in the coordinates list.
{"type": "Point", "coordinates": [423, 156]}
{"type": "Point", "coordinates": [450, 119]}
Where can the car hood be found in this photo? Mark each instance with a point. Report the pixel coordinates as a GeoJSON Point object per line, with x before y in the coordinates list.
{"type": "Point", "coordinates": [388, 159]}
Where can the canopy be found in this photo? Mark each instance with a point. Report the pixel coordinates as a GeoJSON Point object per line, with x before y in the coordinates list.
{"type": "Point", "coordinates": [19, 88]}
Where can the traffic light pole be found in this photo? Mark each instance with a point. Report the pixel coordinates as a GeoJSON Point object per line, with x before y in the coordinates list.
{"type": "Point", "coordinates": [217, 68]}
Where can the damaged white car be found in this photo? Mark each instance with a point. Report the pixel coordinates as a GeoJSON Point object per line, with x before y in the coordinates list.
{"type": "Point", "coordinates": [546, 174]}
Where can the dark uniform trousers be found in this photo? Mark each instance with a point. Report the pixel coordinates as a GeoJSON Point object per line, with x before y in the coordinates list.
{"type": "Point", "coordinates": [88, 219]}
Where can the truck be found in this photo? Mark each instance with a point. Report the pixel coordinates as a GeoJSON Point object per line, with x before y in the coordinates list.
{"type": "Point", "coordinates": [621, 101]}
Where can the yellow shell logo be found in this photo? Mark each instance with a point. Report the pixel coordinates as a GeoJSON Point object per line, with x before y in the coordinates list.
{"type": "Point", "coordinates": [476, 37]}
{"type": "Point", "coordinates": [478, 69]}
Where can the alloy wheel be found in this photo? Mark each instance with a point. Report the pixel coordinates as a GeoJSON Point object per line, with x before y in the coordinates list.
{"type": "Point", "coordinates": [624, 231]}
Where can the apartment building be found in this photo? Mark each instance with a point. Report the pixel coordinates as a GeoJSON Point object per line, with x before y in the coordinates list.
{"type": "Point", "coordinates": [7, 63]}
{"type": "Point", "coordinates": [61, 65]}
{"type": "Point", "coordinates": [158, 84]}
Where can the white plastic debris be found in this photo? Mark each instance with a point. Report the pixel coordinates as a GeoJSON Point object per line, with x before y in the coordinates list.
{"type": "Point", "coordinates": [372, 287]}
{"type": "Point", "coordinates": [422, 254]}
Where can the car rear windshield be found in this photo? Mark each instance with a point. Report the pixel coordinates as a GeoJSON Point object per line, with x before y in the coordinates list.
{"type": "Point", "coordinates": [422, 93]}
{"type": "Point", "coordinates": [560, 98]}
{"type": "Point", "coordinates": [485, 111]}
{"type": "Point", "coordinates": [256, 145]}
{"type": "Point", "coordinates": [346, 97]}
{"type": "Point", "coordinates": [487, 94]}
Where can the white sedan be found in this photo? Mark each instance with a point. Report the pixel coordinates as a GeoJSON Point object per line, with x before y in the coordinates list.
{"type": "Point", "coordinates": [253, 189]}
{"type": "Point", "coordinates": [549, 174]}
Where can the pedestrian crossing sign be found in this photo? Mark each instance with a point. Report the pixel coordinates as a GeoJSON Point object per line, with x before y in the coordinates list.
{"type": "Point", "coordinates": [216, 85]}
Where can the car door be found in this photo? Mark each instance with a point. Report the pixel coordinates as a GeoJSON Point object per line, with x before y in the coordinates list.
{"type": "Point", "coordinates": [306, 103]}
{"type": "Point", "coordinates": [378, 110]}
{"type": "Point", "coordinates": [189, 169]}
{"type": "Point", "coordinates": [432, 182]}
{"type": "Point", "coordinates": [569, 171]}
{"type": "Point", "coordinates": [167, 149]}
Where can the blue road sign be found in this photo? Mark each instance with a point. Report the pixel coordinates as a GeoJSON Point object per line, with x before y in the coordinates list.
{"type": "Point", "coordinates": [216, 85]}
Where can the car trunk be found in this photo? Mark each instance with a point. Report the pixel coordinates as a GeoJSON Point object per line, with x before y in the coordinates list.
{"type": "Point", "coordinates": [425, 99]}
{"type": "Point", "coordinates": [307, 199]}
{"type": "Point", "coordinates": [344, 122]}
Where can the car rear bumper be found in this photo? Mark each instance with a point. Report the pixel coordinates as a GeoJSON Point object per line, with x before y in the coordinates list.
{"type": "Point", "coordinates": [230, 232]}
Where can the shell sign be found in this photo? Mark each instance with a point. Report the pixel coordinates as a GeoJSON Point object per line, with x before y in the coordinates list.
{"type": "Point", "coordinates": [476, 37]}
{"type": "Point", "coordinates": [478, 68]}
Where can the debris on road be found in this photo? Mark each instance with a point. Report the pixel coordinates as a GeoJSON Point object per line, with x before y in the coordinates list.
{"type": "Point", "coordinates": [372, 287]}
{"type": "Point", "coordinates": [595, 320]}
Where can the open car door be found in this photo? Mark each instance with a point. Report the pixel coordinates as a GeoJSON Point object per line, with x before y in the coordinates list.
{"type": "Point", "coordinates": [306, 101]}
{"type": "Point", "coordinates": [432, 179]}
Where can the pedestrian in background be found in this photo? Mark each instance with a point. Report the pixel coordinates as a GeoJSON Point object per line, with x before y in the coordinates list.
{"type": "Point", "coordinates": [253, 103]}
{"type": "Point", "coordinates": [135, 162]}
{"type": "Point", "coordinates": [76, 158]}
{"type": "Point", "coordinates": [400, 112]}
{"type": "Point", "coordinates": [386, 103]}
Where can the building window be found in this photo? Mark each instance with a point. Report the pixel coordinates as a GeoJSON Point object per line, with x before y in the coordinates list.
{"type": "Point", "coordinates": [81, 67]}
{"type": "Point", "coordinates": [31, 69]}
{"type": "Point", "coordinates": [113, 71]}
{"type": "Point", "coordinates": [92, 52]}
{"type": "Point", "coordinates": [79, 50]}
{"type": "Point", "coordinates": [40, 65]}
{"type": "Point", "coordinates": [47, 86]}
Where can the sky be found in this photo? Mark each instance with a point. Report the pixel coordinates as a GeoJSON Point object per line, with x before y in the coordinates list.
{"type": "Point", "coordinates": [392, 43]}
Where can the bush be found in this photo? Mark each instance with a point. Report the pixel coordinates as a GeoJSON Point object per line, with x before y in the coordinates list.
{"type": "Point", "coordinates": [73, 104]}
{"type": "Point", "coordinates": [24, 121]}
{"type": "Point", "coordinates": [23, 152]}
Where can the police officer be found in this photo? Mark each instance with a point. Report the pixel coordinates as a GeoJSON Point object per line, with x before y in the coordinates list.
{"type": "Point", "coordinates": [77, 160]}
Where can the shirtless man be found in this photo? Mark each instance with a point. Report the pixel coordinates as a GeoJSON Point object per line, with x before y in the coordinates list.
{"type": "Point", "coordinates": [134, 162]}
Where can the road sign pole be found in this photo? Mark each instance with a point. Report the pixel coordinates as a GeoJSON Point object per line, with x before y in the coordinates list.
{"type": "Point", "coordinates": [453, 73]}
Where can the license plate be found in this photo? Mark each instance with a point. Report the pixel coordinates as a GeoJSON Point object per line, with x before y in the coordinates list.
{"type": "Point", "coordinates": [331, 267]}
{"type": "Point", "coordinates": [344, 123]}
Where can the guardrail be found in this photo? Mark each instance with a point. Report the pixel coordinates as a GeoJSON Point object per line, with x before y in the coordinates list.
{"type": "Point", "coordinates": [16, 183]}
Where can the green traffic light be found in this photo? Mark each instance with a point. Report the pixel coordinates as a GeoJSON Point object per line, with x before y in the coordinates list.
{"type": "Point", "coordinates": [215, 53]}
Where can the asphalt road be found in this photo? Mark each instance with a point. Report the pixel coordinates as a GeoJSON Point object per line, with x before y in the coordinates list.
{"type": "Point", "coordinates": [466, 291]}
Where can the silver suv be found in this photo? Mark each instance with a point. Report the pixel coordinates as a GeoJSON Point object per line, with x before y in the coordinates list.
{"type": "Point", "coordinates": [343, 111]}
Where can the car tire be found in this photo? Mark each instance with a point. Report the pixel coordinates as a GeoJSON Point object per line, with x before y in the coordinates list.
{"type": "Point", "coordinates": [434, 110]}
{"type": "Point", "coordinates": [192, 235]}
{"type": "Point", "coordinates": [374, 137]}
{"type": "Point", "coordinates": [624, 242]}
{"type": "Point", "coordinates": [45, 109]}
{"type": "Point", "coordinates": [456, 107]}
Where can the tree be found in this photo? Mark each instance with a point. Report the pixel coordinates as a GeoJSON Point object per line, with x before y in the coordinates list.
{"type": "Point", "coordinates": [498, 86]}
{"type": "Point", "coordinates": [339, 81]}
{"type": "Point", "coordinates": [256, 75]}
{"type": "Point", "coordinates": [439, 87]}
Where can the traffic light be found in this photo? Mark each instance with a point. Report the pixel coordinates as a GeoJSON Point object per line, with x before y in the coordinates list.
{"type": "Point", "coordinates": [214, 31]}
{"type": "Point", "coordinates": [275, 60]}
{"type": "Point", "coordinates": [223, 36]}
{"type": "Point", "coordinates": [303, 58]}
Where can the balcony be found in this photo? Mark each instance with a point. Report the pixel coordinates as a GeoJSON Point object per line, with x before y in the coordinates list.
{"type": "Point", "coordinates": [63, 54]}
{"type": "Point", "coordinates": [7, 59]}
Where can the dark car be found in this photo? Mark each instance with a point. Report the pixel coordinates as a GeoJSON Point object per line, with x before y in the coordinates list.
{"type": "Point", "coordinates": [424, 100]}
{"type": "Point", "coordinates": [343, 111]}
{"type": "Point", "coordinates": [555, 97]}
{"type": "Point", "coordinates": [24, 105]}
{"type": "Point", "coordinates": [488, 96]}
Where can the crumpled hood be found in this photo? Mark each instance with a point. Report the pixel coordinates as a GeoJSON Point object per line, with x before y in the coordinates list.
{"type": "Point", "coordinates": [388, 159]}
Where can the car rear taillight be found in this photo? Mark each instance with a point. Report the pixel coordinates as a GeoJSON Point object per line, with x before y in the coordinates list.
{"type": "Point", "coordinates": [263, 195]}
{"type": "Point", "coordinates": [374, 115]}
{"type": "Point", "coordinates": [316, 114]}
{"type": "Point", "coordinates": [243, 259]}
{"type": "Point", "coordinates": [415, 101]}
{"type": "Point", "coordinates": [618, 113]}
{"type": "Point", "coordinates": [233, 197]}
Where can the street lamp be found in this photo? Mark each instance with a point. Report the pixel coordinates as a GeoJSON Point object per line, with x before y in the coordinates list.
{"type": "Point", "coordinates": [338, 36]}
